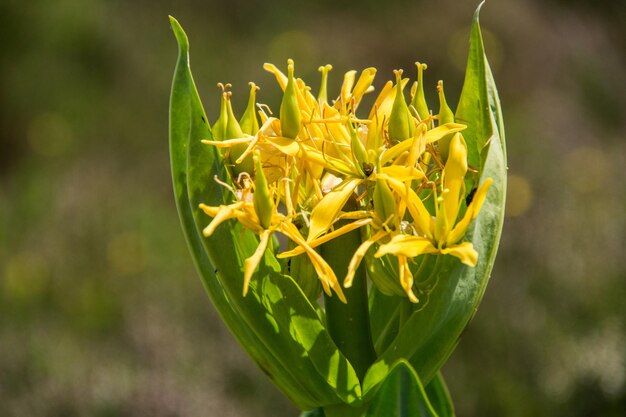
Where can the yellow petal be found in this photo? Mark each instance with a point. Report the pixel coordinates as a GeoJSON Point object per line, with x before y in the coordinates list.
{"type": "Point", "coordinates": [453, 180]}
{"type": "Point", "coordinates": [346, 87]}
{"type": "Point", "coordinates": [358, 256]}
{"type": "Point", "coordinates": [324, 271]}
{"type": "Point", "coordinates": [280, 77]}
{"type": "Point", "coordinates": [362, 85]}
{"type": "Point", "coordinates": [284, 145]}
{"type": "Point", "coordinates": [421, 217]}
{"type": "Point", "coordinates": [209, 210]}
{"type": "Point", "coordinates": [228, 143]}
{"type": "Point", "coordinates": [406, 278]}
{"type": "Point", "coordinates": [430, 136]}
{"type": "Point", "coordinates": [470, 214]}
{"type": "Point", "coordinates": [384, 102]}
{"type": "Point", "coordinates": [326, 238]}
{"type": "Point", "coordinates": [402, 173]}
{"type": "Point", "coordinates": [253, 261]}
{"type": "Point", "coordinates": [406, 245]}
{"type": "Point", "coordinates": [223, 213]}
{"type": "Point", "coordinates": [464, 251]}
{"type": "Point", "coordinates": [326, 211]}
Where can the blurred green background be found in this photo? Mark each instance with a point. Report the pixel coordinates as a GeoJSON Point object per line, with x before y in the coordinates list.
{"type": "Point", "coordinates": [101, 311]}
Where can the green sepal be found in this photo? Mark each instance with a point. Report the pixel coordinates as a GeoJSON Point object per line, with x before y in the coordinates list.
{"type": "Point", "coordinates": [457, 289]}
{"type": "Point", "coordinates": [275, 323]}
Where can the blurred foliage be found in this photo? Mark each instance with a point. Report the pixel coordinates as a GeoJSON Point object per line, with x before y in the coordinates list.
{"type": "Point", "coordinates": [101, 312]}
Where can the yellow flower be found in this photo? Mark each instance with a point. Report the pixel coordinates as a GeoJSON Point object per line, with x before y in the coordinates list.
{"type": "Point", "coordinates": [332, 172]}
{"type": "Point", "coordinates": [443, 233]}
{"type": "Point", "coordinates": [261, 217]}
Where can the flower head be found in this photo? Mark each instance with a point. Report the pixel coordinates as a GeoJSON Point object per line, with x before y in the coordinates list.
{"type": "Point", "coordinates": [319, 171]}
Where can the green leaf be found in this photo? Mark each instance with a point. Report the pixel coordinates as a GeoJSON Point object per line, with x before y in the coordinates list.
{"type": "Point", "coordinates": [187, 119]}
{"type": "Point", "coordinates": [401, 395]}
{"type": "Point", "coordinates": [384, 318]}
{"type": "Point", "coordinates": [431, 333]}
{"type": "Point", "coordinates": [439, 397]}
{"type": "Point", "coordinates": [275, 323]}
{"type": "Point", "coordinates": [473, 107]}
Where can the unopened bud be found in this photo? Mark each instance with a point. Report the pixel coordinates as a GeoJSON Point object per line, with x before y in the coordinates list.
{"type": "Point", "coordinates": [401, 124]}
{"type": "Point", "coordinates": [358, 150]}
{"type": "Point", "coordinates": [290, 118]}
{"type": "Point", "coordinates": [384, 202]}
{"type": "Point", "coordinates": [262, 198]}
{"type": "Point", "coordinates": [249, 122]}
{"type": "Point", "coordinates": [445, 116]}
{"type": "Point", "coordinates": [419, 100]}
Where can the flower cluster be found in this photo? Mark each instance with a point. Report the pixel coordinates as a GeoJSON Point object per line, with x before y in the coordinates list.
{"type": "Point", "coordinates": [319, 171]}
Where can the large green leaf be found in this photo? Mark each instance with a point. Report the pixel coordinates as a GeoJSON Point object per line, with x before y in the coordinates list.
{"type": "Point", "coordinates": [275, 323]}
{"type": "Point", "coordinates": [431, 333]}
{"type": "Point", "coordinates": [401, 395]}
{"type": "Point", "coordinates": [439, 397]}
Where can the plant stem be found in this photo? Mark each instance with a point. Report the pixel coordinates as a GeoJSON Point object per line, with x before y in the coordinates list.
{"type": "Point", "coordinates": [349, 324]}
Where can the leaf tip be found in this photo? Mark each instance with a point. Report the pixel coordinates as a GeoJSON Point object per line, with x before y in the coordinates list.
{"type": "Point", "coordinates": [181, 37]}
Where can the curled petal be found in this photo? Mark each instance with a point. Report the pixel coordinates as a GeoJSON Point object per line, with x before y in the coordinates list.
{"type": "Point", "coordinates": [324, 271]}
{"type": "Point", "coordinates": [464, 251]}
{"type": "Point", "coordinates": [406, 278]}
{"type": "Point", "coordinates": [406, 245]}
{"type": "Point", "coordinates": [326, 211]}
{"type": "Point", "coordinates": [220, 215]}
{"type": "Point", "coordinates": [253, 261]}
{"type": "Point", "coordinates": [470, 214]}
{"type": "Point", "coordinates": [326, 238]}
{"type": "Point", "coordinates": [358, 256]}
{"type": "Point", "coordinates": [430, 136]}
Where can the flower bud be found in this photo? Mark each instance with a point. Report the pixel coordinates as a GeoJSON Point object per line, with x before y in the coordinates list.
{"type": "Point", "coordinates": [262, 199]}
{"type": "Point", "coordinates": [290, 118]}
{"type": "Point", "coordinates": [401, 124]}
{"type": "Point", "coordinates": [383, 272]}
{"type": "Point", "coordinates": [384, 201]}
{"type": "Point", "coordinates": [419, 100]}
{"type": "Point", "coordinates": [445, 116]}
{"type": "Point", "coordinates": [323, 94]}
{"type": "Point", "coordinates": [249, 122]}
{"type": "Point", "coordinates": [358, 150]}
{"type": "Point", "coordinates": [231, 130]}
{"type": "Point", "coordinates": [219, 127]}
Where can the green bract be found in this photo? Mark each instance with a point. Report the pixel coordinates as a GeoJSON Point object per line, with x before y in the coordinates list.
{"type": "Point", "coordinates": [282, 328]}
